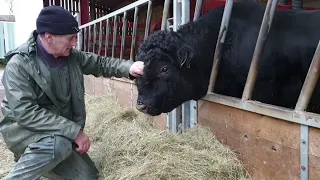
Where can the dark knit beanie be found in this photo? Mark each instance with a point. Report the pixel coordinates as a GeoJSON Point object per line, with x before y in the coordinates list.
{"type": "Point", "coordinates": [56, 20]}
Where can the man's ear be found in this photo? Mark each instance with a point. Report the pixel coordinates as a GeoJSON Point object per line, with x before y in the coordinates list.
{"type": "Point", "coordinates": [185, 55]}
{"type": "Point", "coordinates": [49, 37]}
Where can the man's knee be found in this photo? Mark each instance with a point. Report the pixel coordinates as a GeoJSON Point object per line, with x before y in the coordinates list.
{"type": "Point", "coordinates": [62, 148]}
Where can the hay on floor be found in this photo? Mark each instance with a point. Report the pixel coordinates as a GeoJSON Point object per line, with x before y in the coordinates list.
{"type": "Point", "coordinates": [126, 145]}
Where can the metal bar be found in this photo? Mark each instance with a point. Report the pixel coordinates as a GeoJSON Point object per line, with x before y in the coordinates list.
{"type": "Point", "coordinates": [115, 25]}
{"type": "Point", "coordinates": [304, 152]}
{"type": "Point", "coordinates": [194, 113]}
{"type": "Point", "coordinates": [186, 107]}
{"type": "Point", "coordinates": [185, 10]}
{"type": "Point", "coordinates": [186, 115]}
{"type": "Point", "coordinates": [176, 15]}
{"type": "Point", "coordinates": [261, 42]}
{"type": "Point", "coordinates": [197, 11]}
{"type": "Point", "coordinates": [100, 38]}
{"type": "Point", "coordinates": [310, 82]}
{"type": "Point", "coordinates": [119, 11]}
{"type": "Point", "coordinates": [94, 38]}
{"type": "Point", "coordinates": [131, 95]}
{"type": "Point", "coordinates": [174, 120]}
{"type": "Point", "coordinates": [85, 39]}
{"type": "Point", "coordinates": [165, 14]}
{"type": "Point", "coordinates": [302, 104]}
{"type": "Point", "coordinates": [148, 20]}
{"type": "Point", "coordinates": [134, 33]}
{"type": "Point", "coordinates": [220, 41]}
{"type": "Point", "coordinates": [107, 37]}
{"type": "Point", "coordinates": [193, 104]}
{"type": "Point", "coordinates": [89, 39]}
{"type": "Point", "coordinates": [299, 117]}
{"type": "Point", "coordinates": [124, 33]}
{"type": "Point", "coordinates": [174, 117]}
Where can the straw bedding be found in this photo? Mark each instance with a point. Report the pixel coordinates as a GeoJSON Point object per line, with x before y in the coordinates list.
{"type": "Point", "coordinates": [126, 145]}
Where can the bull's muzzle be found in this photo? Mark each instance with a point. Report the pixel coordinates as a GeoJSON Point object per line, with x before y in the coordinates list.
{"type": "Point", "coordinates": [141, 106]}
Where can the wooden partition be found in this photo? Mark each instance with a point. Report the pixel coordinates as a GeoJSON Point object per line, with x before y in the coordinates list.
{"type": "Point", "coordinates": [268, 147]}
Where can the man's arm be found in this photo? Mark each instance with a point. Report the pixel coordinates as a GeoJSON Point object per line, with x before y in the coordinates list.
{"type": "Point", "coordinates": [104, 66]}
{"type": "Point", "coordinates": [23, 103]}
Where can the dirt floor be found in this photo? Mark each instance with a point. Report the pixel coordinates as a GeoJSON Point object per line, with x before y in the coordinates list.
{"type": "Point", "coordinates": [6, 157]}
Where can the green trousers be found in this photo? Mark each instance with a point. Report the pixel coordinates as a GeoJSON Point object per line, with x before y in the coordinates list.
{"type": "Point", "coordinates": [55, 158]}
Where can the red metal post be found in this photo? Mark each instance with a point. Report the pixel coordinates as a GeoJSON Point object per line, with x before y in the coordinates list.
{"type": "Point", "coordinates": [84, 11]}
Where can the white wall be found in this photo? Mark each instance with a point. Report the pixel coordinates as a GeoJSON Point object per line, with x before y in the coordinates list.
{"type": "Point", "coordinates": [26, 13]}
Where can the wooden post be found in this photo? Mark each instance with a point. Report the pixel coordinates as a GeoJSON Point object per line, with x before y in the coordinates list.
{"type": "Point", "coordinates": [84, 11]}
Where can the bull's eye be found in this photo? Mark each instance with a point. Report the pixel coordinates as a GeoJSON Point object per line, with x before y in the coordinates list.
{"type": "Point", "coordinates": [164, 69]}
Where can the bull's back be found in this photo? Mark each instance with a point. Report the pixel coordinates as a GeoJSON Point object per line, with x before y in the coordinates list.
{"type": "Point", "coordinates": [291, 43]}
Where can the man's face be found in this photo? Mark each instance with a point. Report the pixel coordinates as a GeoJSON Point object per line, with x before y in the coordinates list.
{"type": "Point", "coordinates": [62, 44]}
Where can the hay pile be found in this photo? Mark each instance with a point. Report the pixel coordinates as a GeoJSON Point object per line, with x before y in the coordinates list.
{"type": "Point", "coordinates": [127, 146]}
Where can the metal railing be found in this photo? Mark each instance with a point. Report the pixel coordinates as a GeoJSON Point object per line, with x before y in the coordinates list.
{"type": "Point", "coordinates": [298, 115]}
{"type": "Point", "coordinates": [114, 31]}
{"type": "Point", "coordinates": [72, 6]}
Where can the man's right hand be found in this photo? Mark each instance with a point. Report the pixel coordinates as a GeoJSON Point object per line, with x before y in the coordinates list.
{"type": "Point", "coordinates": [83, 142]}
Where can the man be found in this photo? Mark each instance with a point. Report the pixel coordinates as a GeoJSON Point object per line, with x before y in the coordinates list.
{"type": "Point", "coordinates": [44, 105]}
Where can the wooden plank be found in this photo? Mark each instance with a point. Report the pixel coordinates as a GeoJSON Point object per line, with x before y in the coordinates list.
{"type": "Point", "coordinates": [268, 147]}
{"type": "Point", "coordinates": [262, 158]}
{"type": "Point", "coordinates": [255, 124]}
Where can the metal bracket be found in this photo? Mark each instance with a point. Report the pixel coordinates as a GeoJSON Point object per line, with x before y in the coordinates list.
{"type": "Point", "coordinates": [184, 116]}
{"type": "Point", "coordinates": [304, 152]}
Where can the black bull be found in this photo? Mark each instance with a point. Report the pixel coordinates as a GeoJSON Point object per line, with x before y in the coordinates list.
{"type": "Point", "coordinates": [178, 64]}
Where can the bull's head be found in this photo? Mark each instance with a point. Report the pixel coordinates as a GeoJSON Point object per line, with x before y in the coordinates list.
{"type": "Point", "coordinates": [166, 82]}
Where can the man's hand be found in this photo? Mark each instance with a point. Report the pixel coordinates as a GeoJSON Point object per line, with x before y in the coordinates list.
{"type": "Point", "coordinates": [136, 69]}
{"type": "Point", "coordinates": [83, 142]}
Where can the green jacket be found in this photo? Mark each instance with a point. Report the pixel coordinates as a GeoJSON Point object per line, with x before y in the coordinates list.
{"type": "Point", "coordinates": [30, 108]}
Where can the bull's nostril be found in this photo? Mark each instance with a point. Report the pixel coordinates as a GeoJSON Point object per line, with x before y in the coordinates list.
{"type": "Point", "coordinates": [141, 106]}
{"type": "Point", "coordinates": [140, 103]}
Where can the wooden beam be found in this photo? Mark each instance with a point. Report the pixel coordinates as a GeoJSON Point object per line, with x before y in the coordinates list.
{"type": "Point", "coordinates": [84, 11]}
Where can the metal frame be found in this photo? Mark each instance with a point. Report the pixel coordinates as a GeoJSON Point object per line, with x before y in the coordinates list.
{"type": "Point", "coordinates": [117, 12]}
{"type": "Point", "coordinates": [114, 15]}
{"type": "Point", "coordinates": [185, 116]}
{"type": "Point", "coordinates": [298, 115]}
{"type": "Point", "coordinates": [174, 118]}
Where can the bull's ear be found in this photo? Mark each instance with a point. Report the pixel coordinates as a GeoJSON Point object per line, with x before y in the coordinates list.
{"type": "Point", "coordinates": [185, 55]}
